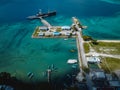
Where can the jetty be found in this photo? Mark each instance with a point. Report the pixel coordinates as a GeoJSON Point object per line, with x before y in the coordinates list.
{"type": "Point", "coordinates": [49, 31]}
{"type": "Point", "coordinates": [47, 24]}
{"type": "Point", "coordinates": [80, 41]}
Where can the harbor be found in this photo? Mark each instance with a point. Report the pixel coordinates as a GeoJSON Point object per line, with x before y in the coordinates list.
{"type": "Point", "coordinates": [49, 31]}
{"type": "Point", "coordinates": [43, 45]}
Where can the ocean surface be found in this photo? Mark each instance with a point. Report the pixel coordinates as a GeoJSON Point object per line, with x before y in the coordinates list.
{"type": "Point", "coordinates": [101, 16]}
{"type": "Point", "coordinates": [20, 54]}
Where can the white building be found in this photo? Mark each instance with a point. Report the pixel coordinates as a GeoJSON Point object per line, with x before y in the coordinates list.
{"type": "Point", "coordinates": [98, 75]}
{"type": "Point", "coordinates": [48, 33]}
{"type": "Point", "coordinates": [43, 28]}
{"type": "Point", "coordinates": [66, 28]}
{"type": "Point", "coordinates": [41, 34]}
{"type": "Point", "coordinates": [67, 33]}
{"type": "Point", "coordinates": [93, 59]}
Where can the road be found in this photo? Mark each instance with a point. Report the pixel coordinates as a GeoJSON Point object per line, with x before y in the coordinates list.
{"type": "Point", "coordinates": [81, 51]}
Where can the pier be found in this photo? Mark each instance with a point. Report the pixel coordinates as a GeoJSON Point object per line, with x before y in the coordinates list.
{"type": "Point", "coordinates": [81, 52]}
{"type": "Point", "coordinates": [49, 31]}
{"type": "Point", "coordinates": [45, 22]}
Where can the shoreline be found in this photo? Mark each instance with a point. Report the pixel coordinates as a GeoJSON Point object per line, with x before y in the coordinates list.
{"type": "Point", "coordinates": [43, 37]}
{"type": "Point", "coordinates": [108, 40]}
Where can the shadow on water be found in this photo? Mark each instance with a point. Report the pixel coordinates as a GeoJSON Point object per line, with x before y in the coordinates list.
{"type": "Point", "coordinates": [56, 83]}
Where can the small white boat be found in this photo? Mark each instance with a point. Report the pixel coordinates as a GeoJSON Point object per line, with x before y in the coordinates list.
{"type": "Point", "coordinates": [65, 39]}
{"type": "Point", "coordinates": [72, 61]}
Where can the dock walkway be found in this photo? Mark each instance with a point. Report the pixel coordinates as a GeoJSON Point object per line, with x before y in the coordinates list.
{"type": "Point", "coordinates": [81, 50]}
{"type": "Point", "coordinates": [45, 22]}
{"type": "Point", "coordinates": [80, 43]}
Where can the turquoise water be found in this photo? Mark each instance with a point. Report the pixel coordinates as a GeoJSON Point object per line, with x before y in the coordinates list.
{"type": "Point", "coordinates": [21, 54]}
{"type": "Point", "coordinates": [101, 16]}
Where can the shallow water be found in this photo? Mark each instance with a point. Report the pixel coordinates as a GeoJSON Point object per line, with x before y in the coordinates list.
{"type": "Point", "coordinates": [20, 54]}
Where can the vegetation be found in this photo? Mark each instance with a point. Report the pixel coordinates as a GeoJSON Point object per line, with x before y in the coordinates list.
{"type": "Point", "coordinates": [86, 69]}
{"type": "Point", "coordinates": [70, 35]}
{"type": "Point", "coordinates": [107, 47]}
{"type": "Point", "coordinates": [58, 30]}
{"type": "Point", "coordinates": [87, 38]}
{"type": "Point", "coordinates": [94, 42]}
{"type": "Point", "coordinates": [35, 34]}
{"type": "Point", "coordinates": [86, 47]}
{"type": "Point", "coordinates": [74, 28]}
{"type": "Point", "coordinates": [80, 26]}
{"type": "Point", "coordinates": [110, 64]}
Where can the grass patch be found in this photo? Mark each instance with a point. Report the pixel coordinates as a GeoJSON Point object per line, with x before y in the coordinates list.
{"type": "Point", "coordinates": [35, 33]}
{"type": "Point", "coordinates": [85, 69]}
{"type": "Point", "coordinates": [107, 47]}
{"type": "Point", "coordinates": [58, 30]}
{"type": "Point", "coordinates": [110, 64]}
{"type": "Point", "coordinates": [86, 47]}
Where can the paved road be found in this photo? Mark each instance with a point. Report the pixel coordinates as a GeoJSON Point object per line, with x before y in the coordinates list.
{"type": "Point", "coordinates": [82, 53]}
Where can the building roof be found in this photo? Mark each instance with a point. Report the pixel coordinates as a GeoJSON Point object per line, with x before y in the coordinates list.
{"type": "Point", "coordinates": [65, 27]}
{"type": "Point", "coordinates": [67, 33]}
{"type": "Point", "coordinates": [43, 28]}
{"type": "Point", "coordinates": [93, 59]}
{"type": "Point", "coordinates": [41, 33]}
{"type": "Point", "coordinates": [47, 33]}
{"type": "Point", "coordinates": [98, 75]}
{"type": "Point", "coordinates": [114, 83]}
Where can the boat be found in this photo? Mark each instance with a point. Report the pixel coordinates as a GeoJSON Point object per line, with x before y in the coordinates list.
{"type": "Point", "coordinates": [72, 61]}
{"type": "Point", "coordinates": [43, 15]}
{"type": "Point", "coordinates": [65, 39]}
{"type": "Point", "coordinates": [30, 75]}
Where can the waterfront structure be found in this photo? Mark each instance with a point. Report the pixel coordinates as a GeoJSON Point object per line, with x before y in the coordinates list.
{"type": "Point", "coordinates": [43, 28]}
{"type": "Point", "coordinates": [41, 34]}
{"type": "Point", "coordinates": [48, 33]}
{"type": "Point", "coordinates": [98, 75]}
{"type": "Point", "coordinates": [43, 15]}
{"type": "Point", "coordinates": [67, 33]}
{"type": "Point", "coordinates": [80, 40]}
{"type": "Point", "coordinates": [47, 24]}
{"type": "Point", "coordinates": [93, 59]}
{"type": "Point", "coordinates": [64, 31]}
{"type": "Point", "coordinates": [66, 28]}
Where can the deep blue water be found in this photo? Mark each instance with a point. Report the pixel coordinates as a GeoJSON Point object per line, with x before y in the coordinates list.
{"type": "Point", "coordinates": [13, 10]}
{"type": "Point", "coordinates": [92, 13]}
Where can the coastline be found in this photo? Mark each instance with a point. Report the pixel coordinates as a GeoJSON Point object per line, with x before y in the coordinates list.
{"type": "Point", "coordinates": [108, 40]}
